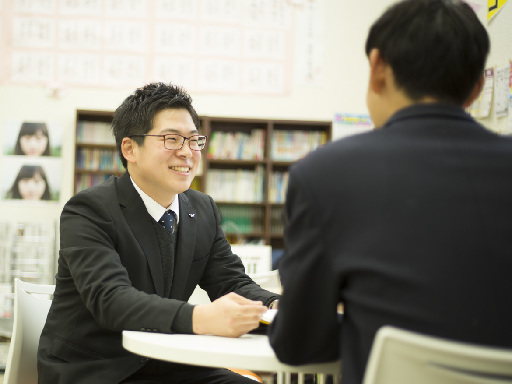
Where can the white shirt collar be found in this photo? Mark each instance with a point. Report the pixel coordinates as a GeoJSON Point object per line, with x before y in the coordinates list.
{"type": "Point", "coordinates": [154, 209]}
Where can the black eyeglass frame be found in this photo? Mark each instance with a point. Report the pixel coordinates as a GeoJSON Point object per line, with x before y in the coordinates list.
{"type": "Point", "coordinates": [182, 143]}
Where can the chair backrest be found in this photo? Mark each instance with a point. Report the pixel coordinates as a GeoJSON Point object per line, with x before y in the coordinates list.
{"type": "Point", "coordinates": [404, 357]}
{"type": "Point", "coordinates": [31, 305]}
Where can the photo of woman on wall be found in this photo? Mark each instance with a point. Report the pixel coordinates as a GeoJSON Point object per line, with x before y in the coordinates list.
{"type": "Point", "coordinates": [31, 183]}
{"type": "Point", "coordinates": [33, 140]}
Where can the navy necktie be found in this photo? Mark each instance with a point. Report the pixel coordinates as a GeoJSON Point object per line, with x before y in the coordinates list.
{"type": "Point", "coordinates": [168, 221]}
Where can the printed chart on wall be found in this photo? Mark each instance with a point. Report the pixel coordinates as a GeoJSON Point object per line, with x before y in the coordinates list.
{"type": "Point", "coordinates": [346, 124]}
{"type": "Point", "coordinates": [481, 107]}
{"type": "Point", "coordinates": [494, 7]}
{"type": "Point", "coordinates": [227, 46]}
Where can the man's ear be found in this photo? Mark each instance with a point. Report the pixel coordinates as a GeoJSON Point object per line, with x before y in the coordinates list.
{"type": "Point", "coordinates": [378, 68]}
{"type": "Point", "coordinates": [475, 92]}
{"type": "Point", "coordinates": [129, 149]}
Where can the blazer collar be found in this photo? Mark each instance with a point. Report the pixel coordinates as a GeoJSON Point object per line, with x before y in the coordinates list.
{"type": "Point", "coordinates": [426, 110]}
{"type": "Point", "coordinates": [141, 225]}
{"type": "Point", "coordinates": [186, 246]}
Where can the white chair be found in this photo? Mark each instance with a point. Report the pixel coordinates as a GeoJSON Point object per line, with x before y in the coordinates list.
{"type": "Point", "coordinates": [404, 357]}
{"type": "Point", "coordinates": [31, 305]}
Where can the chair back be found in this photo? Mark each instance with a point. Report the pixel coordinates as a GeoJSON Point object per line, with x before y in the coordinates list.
{"type": "Point", "coordinates": [31, 305]}
{"type": "Point", "coordinates": [403, 357]}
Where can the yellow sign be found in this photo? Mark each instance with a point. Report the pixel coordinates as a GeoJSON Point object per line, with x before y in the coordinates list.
{"type": "Point", "coordinates": [493, 7]}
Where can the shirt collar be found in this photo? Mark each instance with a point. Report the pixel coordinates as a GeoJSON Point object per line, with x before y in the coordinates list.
{"type": "Point", "coordinates": [429, 110]}
{"type": "Point", "coordinates": [154, 209]}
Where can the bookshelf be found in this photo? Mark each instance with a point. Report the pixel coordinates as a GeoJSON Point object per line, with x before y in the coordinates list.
{"type": "Point", "coordinates": [246, 171]}
{"type": "Point", "coordinates": [96, 157]}
{"type": "Point", "coordinates": [244, 167]}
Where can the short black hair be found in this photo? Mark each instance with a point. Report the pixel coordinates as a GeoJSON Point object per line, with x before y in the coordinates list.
{"type": "Point", "coordinates": [136, 114]}
{"type": "Point", "coordinates": [436, 48]}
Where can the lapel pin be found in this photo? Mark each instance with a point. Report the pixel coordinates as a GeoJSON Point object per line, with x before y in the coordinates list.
{"type": "Point", "coordinates": [191, 214]}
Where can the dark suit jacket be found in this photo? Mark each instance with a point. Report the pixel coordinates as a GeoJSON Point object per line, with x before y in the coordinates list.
{"type": "Point", "coordinates": [408, 225]}
{"type": "Point", "coordinates": [110, 279]}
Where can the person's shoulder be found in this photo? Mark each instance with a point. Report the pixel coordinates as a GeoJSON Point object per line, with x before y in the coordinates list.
{"type": "Point", "coordinates": [196, 195]}
{"type": "Point", "coordinates": [102, 188]}
{"type": "Point", "coordinates": [345, 146]}
{"type": "Point", "coordinates": [100, 192]}
{"type": "Point", "coordinates": [197, 200]}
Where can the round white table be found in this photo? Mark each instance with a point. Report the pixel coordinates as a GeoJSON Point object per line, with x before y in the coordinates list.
{"type": "Point", "coordinates": [251, 352]}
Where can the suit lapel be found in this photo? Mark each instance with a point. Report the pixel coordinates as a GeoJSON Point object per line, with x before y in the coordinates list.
{"type": "Point", "coordinates": [186, 246]}
{"type": "Point", "coordinates": [141, 225]}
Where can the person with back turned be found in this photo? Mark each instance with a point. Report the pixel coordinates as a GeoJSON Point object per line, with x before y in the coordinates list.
{"type": "Point", "coordinates": [410, 224]}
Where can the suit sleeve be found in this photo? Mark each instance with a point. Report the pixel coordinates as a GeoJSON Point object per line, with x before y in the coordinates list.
{"type": "Point", "coordinates": [90, 263]}
{"type": "Point", "coordinates": [306, 328]}
{"type": "Point", "coordinates": [225, 271]}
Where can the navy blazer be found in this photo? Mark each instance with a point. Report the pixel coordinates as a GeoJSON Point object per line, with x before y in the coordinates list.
{"type": "Point", "coordinates": [110, 279]}
{"type": "Point", "coordinates": [408, 225]}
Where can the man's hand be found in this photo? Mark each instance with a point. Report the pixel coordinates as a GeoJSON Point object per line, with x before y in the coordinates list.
{"type": "Point", "coordinates": [231, 315]}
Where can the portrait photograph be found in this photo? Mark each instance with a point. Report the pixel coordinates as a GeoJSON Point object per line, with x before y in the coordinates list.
{"type": "Point", "coordinates": [32, 138]}
{"type": "Point", "coordinates": [30, 179]}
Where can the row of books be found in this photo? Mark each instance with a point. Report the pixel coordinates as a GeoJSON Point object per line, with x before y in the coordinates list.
{"type": "Point", "coordinates": [237, 145]}
{"type": "Point", "coordinates": [101, 159]}
{"type": "Point", "coordinates": [278, 185]}
{"type": "Point", "coordinates": [277, 220]}
{"type": "Point", "coordinates": [88, 180]}
{"type": "Point", "coordinates": [293, 145]}
{"type": "Point", "coordinates": [237, 219]}
{"type": "Point", "coordinates": [94, 132]}
{"type": "Point", "coordinates": [237, 185]}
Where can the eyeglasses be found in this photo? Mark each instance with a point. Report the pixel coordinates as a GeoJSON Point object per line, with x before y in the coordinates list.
{"type": "Point", "coordinates": [174, 142]}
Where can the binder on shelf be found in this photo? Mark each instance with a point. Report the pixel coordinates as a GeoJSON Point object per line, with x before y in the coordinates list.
{"type": "Point", "coordinates": [94, 132]}
{"type": "Point", "coordinates": [289, 145]}
{"type": "Point", "coordinates": [236, 185]}
{"type": "Point", "coordinates": [241, 219]}
{"type": "Point", "coordinates": [237, 145]}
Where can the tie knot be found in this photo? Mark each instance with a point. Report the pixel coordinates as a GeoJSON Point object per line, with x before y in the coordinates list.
{"type": "Point", "coordinates": [168, 221]}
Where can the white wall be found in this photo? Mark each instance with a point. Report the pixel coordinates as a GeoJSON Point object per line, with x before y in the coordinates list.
{"type": "Point", "coordinates": [500, 31]}
{"type": "Point", "coordinates": [343, 90]}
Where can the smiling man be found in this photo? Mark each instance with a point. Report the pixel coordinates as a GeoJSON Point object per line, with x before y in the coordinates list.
{"type": "Point", "coordinates": [133, 250]}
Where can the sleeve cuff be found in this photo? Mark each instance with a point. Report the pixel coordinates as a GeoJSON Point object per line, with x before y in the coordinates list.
{"type": "Point", "coordinates": [183, 320]}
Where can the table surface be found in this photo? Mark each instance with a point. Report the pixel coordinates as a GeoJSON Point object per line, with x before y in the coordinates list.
{"type": "Point", "coordinates": [252, 352]}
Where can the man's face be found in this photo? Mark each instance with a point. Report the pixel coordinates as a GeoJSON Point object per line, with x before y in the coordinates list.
{"type": "Point", "coordinates": [163, 173]}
